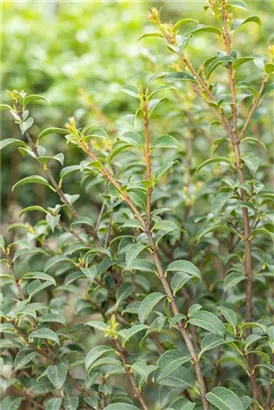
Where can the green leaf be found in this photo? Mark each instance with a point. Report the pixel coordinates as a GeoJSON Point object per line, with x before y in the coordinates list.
{"type": "Point", "coordinates": [52, 130]}
{"type": "Point", "coordinates": [30, 98]}
{"type": "Point", "coordinates": [124, 291]}
{"type": "Point", "coordinates": [167, 141]}
{"type": "Point", "coordinates": [131, 90]}
{"type": "Point", "coordinates": [132, 138]}
{"type": "Point", "coordinates": [97, 133]}
{"type": "Point", "coordinates": [255, 141]}
{"type": "Point", "coordinates": [57, 375]}
{"type": "Point", "coordinates": [168, 226]}
{"type": "Point", "coordinates": [95, 353]}
{"type": "Point", "coordinates": [183, 22]}
{"type": "Point", "coordinates": [269, 68]}
{"type": "Point", "coordinates": [5, 107]}
{"type": "Point", "coordinates": [71, 403]}
{"type": "Point", "coordinates": [214, 160]}
{"type": "Point", "coordinates": [230, 315]}
{"type": "Point", "coordinates": [212, 341]}
{"type": "Point", "coordinates": [52, 221]}
{"type": "Point", "coordinates": [54, 404]}
{"type": "Point", "coordinates": [179, 280]}
{"type": "Point", "coordinates": [121, 406]}
{"type": "Point", "coordinates": [11, 141]}
{"type": "Point", "coordinates": [23, 358]}
{"type": "Point", "coordinates": [224, 399]}
{"type": "Point", "coordinates": [39, 275]}
{"type": "Point", "coordinates": [97, 324]}
{"type": "Point", "coordinates": [25, 125]}
{"type": "Point", "coordinates": [187, 267]}
{"type": "Point", "coordinates": [33, 179]}
{"type": "Point", "coordinates": [2, 242]}
{"type": "Point", "coordinates": [242, 60]}
{"type": "Point", "coordinates": [127, 334]}
{"type": "Point", "coordinates": [69, 170]}
{"type": "Point", "coordinates": [204, 28]}
{"type": "Point", "coordinates": [240, 22]}
{"type": "Point", "coordinates": [146, 35]}
{"type": "Point", "coordinates": [11, 403]}
{"type": "Point", "coordinates": [180, 76]}
{"type": "Point", "coordinates": [252, 163]}
{"type": "Point", "coordinates": [45, 333]}
{"type": "Point", "coordinates": [32, 208]}
{"type": "Point", "coordinates": [269, 88]}
{"type": "Point", "coordinates": [170, 361]}
{"type": "Point", "coordinates": [148, 304]}
{"type": "Point", "coordinates": [232, 279]}
{"type": "Point", "coordinates": [216, 228]}
{"type": "Point", "coordinates": [238, 5]}
{"type": "Point", "coordinates": [132, 252]}
{"type": "Point", "coordinates": [208, 321]}
{"type": "Point", "coordinates": [219, 202]}
{"type": "Point", "coordinates": [56, 259]}
{"type": "Point", "coordinates": [117, 151]}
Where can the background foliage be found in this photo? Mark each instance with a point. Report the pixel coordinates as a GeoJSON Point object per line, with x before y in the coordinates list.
{"type": "Point", "coordinates": [99, 267]}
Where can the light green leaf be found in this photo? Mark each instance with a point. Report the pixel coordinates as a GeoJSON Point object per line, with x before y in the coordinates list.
{"type": "Point", "coordinates": [57, 375]}
{"type": "Point", "coordinates": [238, 5]}
{"type": "Point", "coordinates": [30, 98]}
{"type": "Point", "coordinates": [187, 267]}
{"type": "Point", "coordinates": [131, 90]}
{"type": "Point", "coordinates": [25, 125]}
{"type": "Point", "coordinates": [146, 35]}
{"type": "Point", "coordinates": [204, 28]}
{"type": "Point", "coordinates": [33, 179]}
{"type": "Point", "coordinates": [117, 151]}
{"type": "Point", "coordinates": [97, 324]}
{"type": "Point", "coordinates": [55, 260]}
{"type": "Point", "coordinates": [168, 226]}
{"type": "Point", "coordinates": [224, 399]}
{"type": "Point", "coordinates": [242, 60]}
{"type": "Point", "coordinates": [180, 76]}
{"type": "Point", "coordinates": [169, 362]}
{"type": "Point", "coordinates": [12, 141]}
{"type": "Point", "coordinates": [183, 22]}
{"type": "Point", "coordinates": [214, 160]}
{"type": "Point", "coordinates": [167, 141]}
{"type": "Point", "coordinates": [148, 304]}
{"type": "Point", "coordinates": [240, 22]}
{"type": "Point", "coordinates": [53, 221]}
{"type": "Point", "coordinates": [45, 333]}
{"type": "Point", "coordinates": [208, 321]}
{"type": "Point", "coordinates": [252, 163]}
{"type": "Point", "coordinates": [52, 130]}
{"type": "Point", "coordinates": [69, 170]}
{"type": "Point", "coordinates": [32, 208]}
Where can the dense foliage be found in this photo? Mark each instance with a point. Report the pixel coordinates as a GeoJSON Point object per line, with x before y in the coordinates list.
{"type": "Point", "coordinates": [156, 291]}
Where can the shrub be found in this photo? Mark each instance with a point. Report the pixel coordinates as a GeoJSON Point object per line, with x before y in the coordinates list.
{"type": "Point", "coordinates": [161, 298]}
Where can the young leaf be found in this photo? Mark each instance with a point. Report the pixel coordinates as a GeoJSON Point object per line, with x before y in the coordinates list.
{"type": "Point", "coordinates": [240, 22]}
{"type": "Point", "coordinates": [71, 403]}
{"type": "Point", "coordinates": [11, 141]}
{"type": "Point", "coordinates": [30, 98]}
{"type": "Point", "coordinates": [54, 403]}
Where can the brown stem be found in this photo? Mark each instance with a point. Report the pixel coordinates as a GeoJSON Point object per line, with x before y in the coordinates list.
{"type": "Point", "coordinates": [16, 280]}
{"type": "Point", "coordinates": [148, 166]}
{"type": "Point", "coordinates": [236, 147]}
{"type": "Point", "coordinates": [123, 356]}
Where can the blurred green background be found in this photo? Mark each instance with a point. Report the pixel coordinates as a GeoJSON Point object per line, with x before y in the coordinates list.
{"type": "Point", "coordinates": [79, 55]}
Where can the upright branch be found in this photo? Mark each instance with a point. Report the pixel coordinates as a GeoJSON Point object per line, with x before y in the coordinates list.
{"type": "Point", "coordinates": [145, 107]}
{"type": "Point", "coordinates": [79, 138]}
{"type": "Point", "coordinates": [233, 134]}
